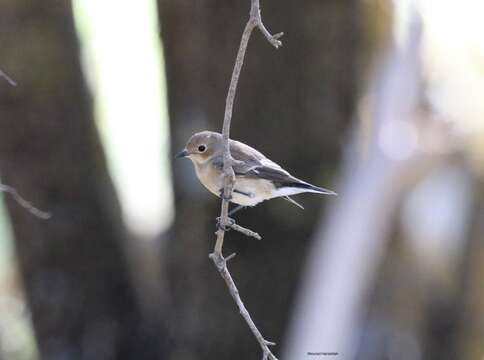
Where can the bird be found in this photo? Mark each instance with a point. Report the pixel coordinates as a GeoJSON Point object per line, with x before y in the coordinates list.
{"type": "Point", "coordinates": [257, 178]}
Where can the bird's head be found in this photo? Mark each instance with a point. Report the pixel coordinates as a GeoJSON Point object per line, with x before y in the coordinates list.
{"type": "Point", "coordinates": [201, 146]}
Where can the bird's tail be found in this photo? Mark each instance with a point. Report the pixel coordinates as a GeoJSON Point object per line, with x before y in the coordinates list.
{"type": "Point", "coordinates": [311, 188]}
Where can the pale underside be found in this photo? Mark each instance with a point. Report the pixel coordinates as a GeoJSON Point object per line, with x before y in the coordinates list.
{"type": "Point", "coordinates": [248, 191]}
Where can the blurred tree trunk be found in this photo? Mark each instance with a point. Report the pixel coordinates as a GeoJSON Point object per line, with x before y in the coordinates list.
{"type": "Point", "coordinates": [293, 104]}
{"type": "Point", "coordinates": [74, 272]}
{"type": "Point", "coordinates": [470, 292]}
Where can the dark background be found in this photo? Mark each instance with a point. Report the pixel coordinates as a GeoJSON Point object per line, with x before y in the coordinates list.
{"type": "Point", "coordinates": [302, 106]}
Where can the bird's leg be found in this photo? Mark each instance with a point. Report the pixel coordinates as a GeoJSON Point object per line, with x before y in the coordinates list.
{"type": "Point", "coordinates": [235, 209]}
{"type": "Point", "coordinates": [231, 212]}
{"type": "Point", "coordinates": [230, 221]}
{"type": "Point", "coordinates": [227, 227]}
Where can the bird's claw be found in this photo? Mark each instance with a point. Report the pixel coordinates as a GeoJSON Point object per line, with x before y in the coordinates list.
{"type": "Point", "coordinates": [227, 227]}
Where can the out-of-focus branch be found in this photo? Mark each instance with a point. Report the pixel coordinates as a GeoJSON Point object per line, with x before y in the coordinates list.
{"type": "Point", "coordinates": [255, 21]}
{"type": "Point", "coordinates": [8, 78]}
{"type": "Point", "coordinates": [24, 203]}
{"type": "Point", "coordinates": [332, 303]}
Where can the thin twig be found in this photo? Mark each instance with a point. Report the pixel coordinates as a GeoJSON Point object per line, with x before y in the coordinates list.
{"type": "Point", "coordinates": [221, 265]}
{"type": "Point", "coordinates": [8, 78]}
{"type": "Point", "coordinates": [232, 225]}
{"type": "Point", "coordinates": [245, 231]}
{"type": "Point", "coordinates": [24, 203]}
{"type": "Point", "coordinates": [255, 20]}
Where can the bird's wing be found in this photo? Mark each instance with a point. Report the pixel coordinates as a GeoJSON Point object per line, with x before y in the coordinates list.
{"type": "Point", "coordinates": [250, 163]}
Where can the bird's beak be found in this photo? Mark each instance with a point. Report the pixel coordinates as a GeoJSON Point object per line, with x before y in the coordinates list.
{"type": "Point", "coordinates": [181, 154]}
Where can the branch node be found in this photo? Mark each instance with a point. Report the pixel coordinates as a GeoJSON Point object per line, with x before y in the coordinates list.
{"type": "Point", "coordinates": [226, 226]}
{"type": "Point", "coordinates": [218, 260]}
{"type": "Point", "coordinates": [273, 39]}
{"type": "Point", "coordinates": [269, 343]}
{"type": "Point", "coordinates": [256, 21]}
{"type": "Point", "coordinates": [266, 354]}
{"type": "Point", "coordinates": [232, 225]}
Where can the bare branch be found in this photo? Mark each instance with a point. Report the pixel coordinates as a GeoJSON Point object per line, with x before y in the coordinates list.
{"type": "Point", "coordinates": [246, 232]}
{"type": "Point", "coordinates": [221, 265]}
{"type": "Point", "coordinates": [255, 20]}
{"type": "Point", "coordinates": [24, 203]}
{"type": "Point", "coordinates": [232, 225]}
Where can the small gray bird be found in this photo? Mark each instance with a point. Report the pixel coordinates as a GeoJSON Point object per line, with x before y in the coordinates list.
{"type": "Point", "coordinates": [256, 177]}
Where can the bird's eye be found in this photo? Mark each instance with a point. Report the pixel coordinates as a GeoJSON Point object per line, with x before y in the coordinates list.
{"type": "Point", "coordinates": [202, 148]}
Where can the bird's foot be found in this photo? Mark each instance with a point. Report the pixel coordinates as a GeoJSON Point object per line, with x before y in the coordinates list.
{"type": "Point", "coordinates": [225, 227]}
{"type": "Point", "coordinates": [235, 209]}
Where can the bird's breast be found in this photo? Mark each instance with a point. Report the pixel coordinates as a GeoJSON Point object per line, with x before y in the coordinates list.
{"type": "Point", "coordinates": [210, 177]}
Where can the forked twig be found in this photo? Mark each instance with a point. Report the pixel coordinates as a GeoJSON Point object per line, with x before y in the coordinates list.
{"type": "Point", "coordinates": [255, 21]}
